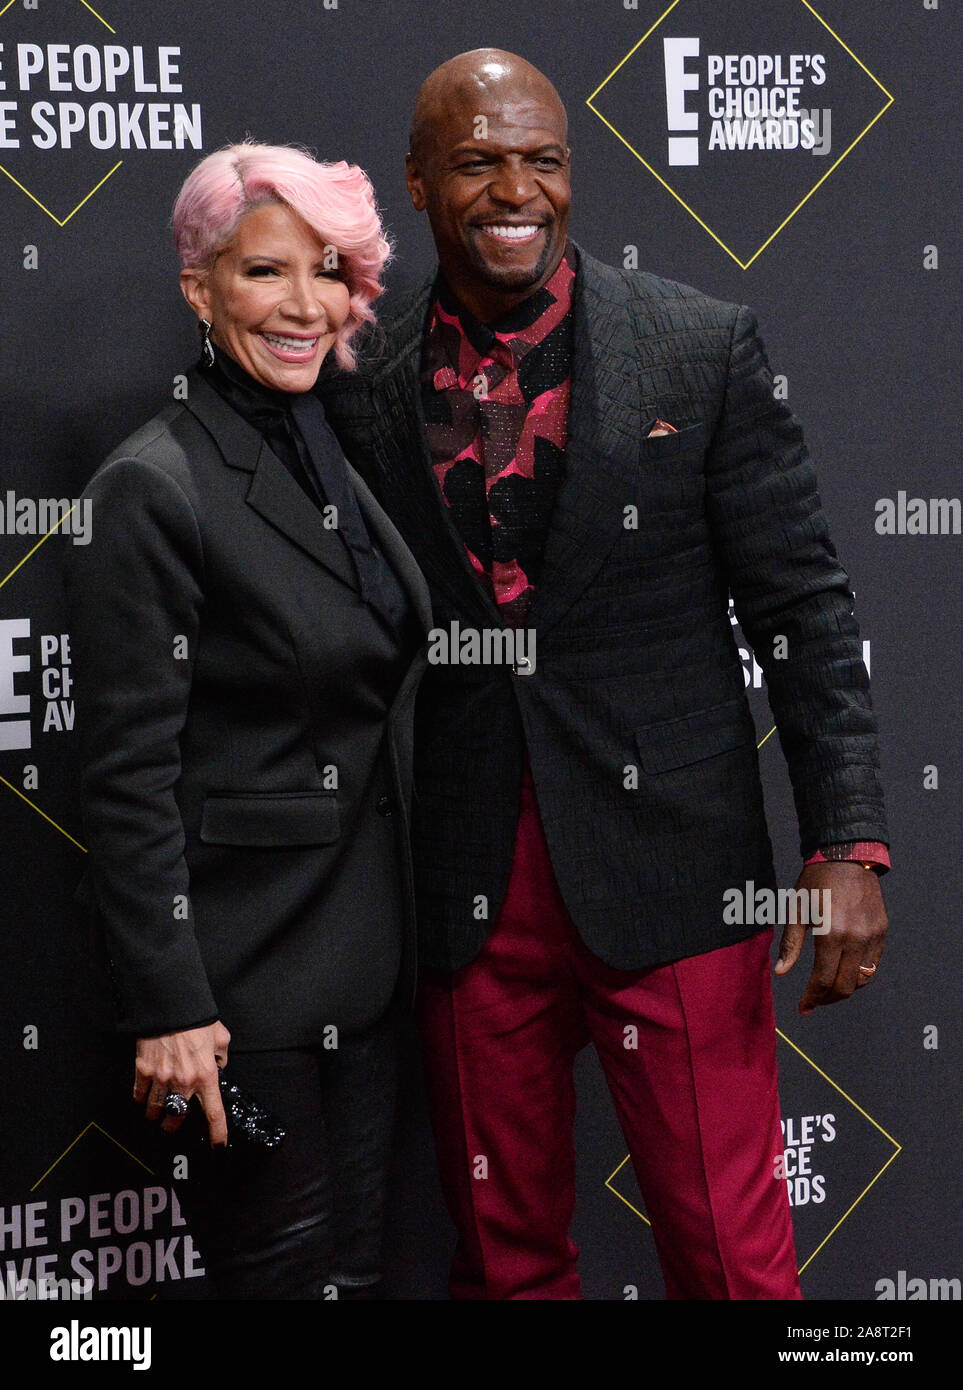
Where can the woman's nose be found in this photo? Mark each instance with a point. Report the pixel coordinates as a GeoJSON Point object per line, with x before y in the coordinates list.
{"type": "Point", "coordinates": [303, 301]}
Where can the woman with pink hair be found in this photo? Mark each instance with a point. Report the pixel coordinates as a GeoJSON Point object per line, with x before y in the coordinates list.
{"type": "Point", "coordinates": [249, 633]}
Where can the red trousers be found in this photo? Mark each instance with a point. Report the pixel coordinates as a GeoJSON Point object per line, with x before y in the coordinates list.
{"type": "Point", "coordinates": [696, 1096]}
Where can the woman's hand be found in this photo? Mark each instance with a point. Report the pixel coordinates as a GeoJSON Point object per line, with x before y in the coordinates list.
{"type": "Point", "coordinates": [186, 1063]}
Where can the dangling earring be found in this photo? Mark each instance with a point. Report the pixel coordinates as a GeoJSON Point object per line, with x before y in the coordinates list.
{"type": "Point", "coordinates": [207, 347]}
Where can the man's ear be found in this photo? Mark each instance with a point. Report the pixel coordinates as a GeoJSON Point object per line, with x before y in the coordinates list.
{"type": "Point", "coordinates": [415, 182]}
{"type": "Point", "coordinates": [196, 291]}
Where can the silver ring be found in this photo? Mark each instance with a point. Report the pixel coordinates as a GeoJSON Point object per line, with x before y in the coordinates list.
{"type": "Point", "coordinates": [175, 1104]}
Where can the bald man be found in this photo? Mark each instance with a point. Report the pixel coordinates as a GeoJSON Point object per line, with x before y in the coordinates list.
{"type": "Point", "coordinates": [586, 462]}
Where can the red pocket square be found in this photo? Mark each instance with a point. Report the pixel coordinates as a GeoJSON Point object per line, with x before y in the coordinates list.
{"type": "Point", "coordinates": [661, 427]}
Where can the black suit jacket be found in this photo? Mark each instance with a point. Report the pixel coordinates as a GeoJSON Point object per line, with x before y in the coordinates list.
{"type": "Point", "coordinates": [245, 721]}
{"type": "Point", "coordinates": [636, 720]}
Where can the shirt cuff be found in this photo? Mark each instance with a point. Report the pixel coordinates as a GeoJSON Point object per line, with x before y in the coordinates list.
{"type": "Point", "coordinates": [869, 851]}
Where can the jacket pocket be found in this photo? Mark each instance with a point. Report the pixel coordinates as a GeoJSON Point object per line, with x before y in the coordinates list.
{"type": "Point", "coordinates": [679, 742]}
{"type": "Point", "coordinates": [270, 819]}
{"type": "Point", "coordinates": [666, 446]}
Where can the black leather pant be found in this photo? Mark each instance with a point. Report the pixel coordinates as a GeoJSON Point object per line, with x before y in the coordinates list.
{"type": "Point", "coordinates": [304, 1220]}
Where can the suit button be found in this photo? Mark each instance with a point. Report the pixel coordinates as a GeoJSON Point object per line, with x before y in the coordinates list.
{"type": "Point", "coordinates": [384, 807]}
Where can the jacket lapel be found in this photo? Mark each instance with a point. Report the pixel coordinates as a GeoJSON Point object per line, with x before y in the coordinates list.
{"type": "Point", "coordinates": [283, 504]}
{"type": "Point", "coordinates": [604, 426]}
{"type": "Point", "coordinates": [406, 482]}
{"type": "Point", "coordinates": [273, 493]}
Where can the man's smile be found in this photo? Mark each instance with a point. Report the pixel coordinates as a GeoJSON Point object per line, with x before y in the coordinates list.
{"type": "Point", "coordinates": [511, 233]}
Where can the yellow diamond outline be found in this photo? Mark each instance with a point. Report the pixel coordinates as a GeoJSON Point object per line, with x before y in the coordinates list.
{"type": "Point", "coordinates": [744, 265]}
{"type": "Point", "coordinates": [61, 222]}
{"type": "Point", "coordinates": [92, 1124]}
{"type": "Point", "coordinates": [114, 1141]}
{"type": "Point", "coordinates": [897, 1149]}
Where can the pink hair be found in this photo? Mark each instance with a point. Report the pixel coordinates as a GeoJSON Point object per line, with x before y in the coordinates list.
{"type": "Point", "coordinates": [335, 200]}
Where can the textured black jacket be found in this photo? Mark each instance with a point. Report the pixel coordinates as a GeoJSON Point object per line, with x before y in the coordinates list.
{"type": "Point", "coordinates": [636, 720]}
{"type": "Point", "coordinates": [246, 729]}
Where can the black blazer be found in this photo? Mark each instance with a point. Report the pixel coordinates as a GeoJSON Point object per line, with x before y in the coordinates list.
{"type": "Point", "coordinates": [636, 720]}
{"type": "Point", "coordinates": [246, 729]}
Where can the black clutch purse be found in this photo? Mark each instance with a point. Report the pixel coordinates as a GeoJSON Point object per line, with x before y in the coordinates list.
{"type": "Point", "coordinates": [249, 1125]}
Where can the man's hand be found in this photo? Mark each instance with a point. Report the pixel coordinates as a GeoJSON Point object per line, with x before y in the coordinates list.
{"type": "Point", "coordinates": [186, 1063]}
{"type": "Point", "coordinates": [858, 926]}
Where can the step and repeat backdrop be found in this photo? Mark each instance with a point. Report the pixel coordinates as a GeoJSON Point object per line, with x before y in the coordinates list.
{"type": "Point", "coordinates": [799, 158]}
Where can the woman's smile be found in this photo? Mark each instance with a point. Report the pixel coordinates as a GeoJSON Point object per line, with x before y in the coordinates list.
{"type": "Point", "coordinates": [290, 347]}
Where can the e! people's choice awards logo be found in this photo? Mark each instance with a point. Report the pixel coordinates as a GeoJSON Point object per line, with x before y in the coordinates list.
{"type": "Point", "coordinates": [75, 97]}
{"type": "Point", "coordinates": [741, 111]}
